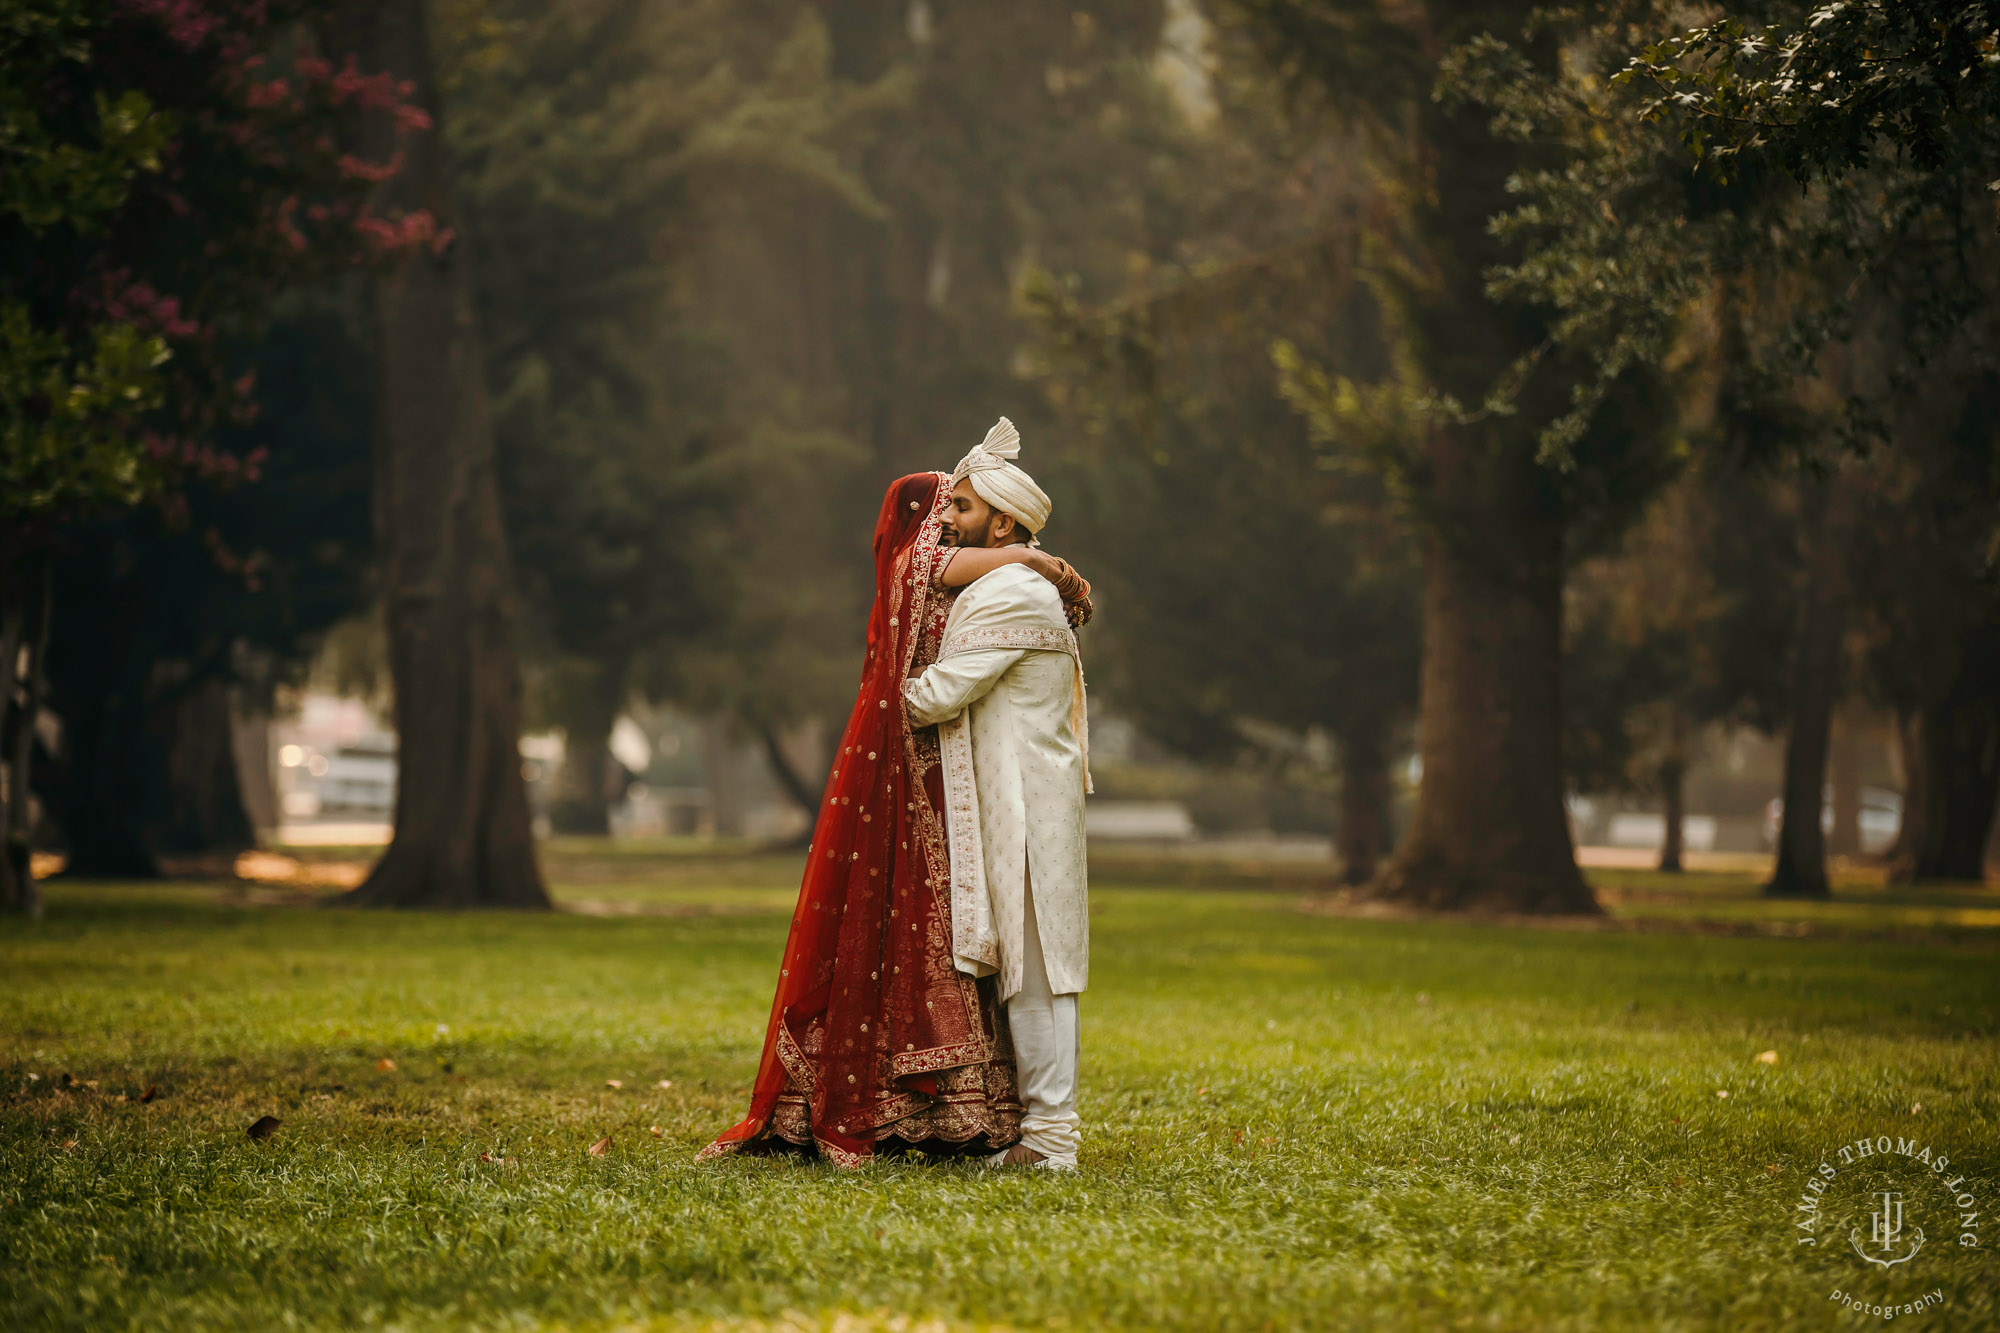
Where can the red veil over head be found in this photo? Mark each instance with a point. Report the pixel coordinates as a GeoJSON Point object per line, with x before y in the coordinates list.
{"type": "Point", "coordinates": [873, 1033]}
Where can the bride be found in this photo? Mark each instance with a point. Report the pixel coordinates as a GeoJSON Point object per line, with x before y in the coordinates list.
{"type": "Point", "coordinates": [875, 1038]}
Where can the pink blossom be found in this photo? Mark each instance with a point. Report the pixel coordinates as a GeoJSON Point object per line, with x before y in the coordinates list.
{"type": "Point", "coordinates": [186, 21]}
{"type": "Point", "coordinates": [264, 95]}
{"type": "Point", "coordinates": [355, 169]}
{"type": "Point", "coordinates": [411, 230]}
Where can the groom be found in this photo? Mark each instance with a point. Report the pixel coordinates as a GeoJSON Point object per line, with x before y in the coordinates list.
{"type": "Point", "coordinates": [1007, 695]}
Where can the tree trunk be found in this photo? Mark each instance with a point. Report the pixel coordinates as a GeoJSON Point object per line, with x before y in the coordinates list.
{"type": "Point", "coordinates": [1362, 837]}
{"type": "Point", "coordinates": [1801, 868]}
{"type": "Point", "coordinates": [1845, 779]}
{"type": "Point", "coordinates": [204, 812]}
{"type": "Point", "coordinates": [107, 779]}
{"type": "Point", "coordinates": [1673, 790]}
{"type": "Point", "coordinates": [588, 699]}
{"type": "Point", "coordinates": [1902, 856]}
{"type": "Point", "coordinates": [1490, 831]}
{"type": "Point", "coordinates": [803, 794]}
{"type": "Point", "coordinates": [1961, 755]}
{"type": "Point", "coordinates": [25, 609]}
{"type": "Point", "coordinates": [463, 835]}
{"type": "Point", "coordinates": [250, 732]}
{"type": "Point", "coordinates": [718, 756]}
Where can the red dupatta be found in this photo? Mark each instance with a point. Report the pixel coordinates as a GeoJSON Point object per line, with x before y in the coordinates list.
{"type": "Point", "coordinates": [873, 1032]}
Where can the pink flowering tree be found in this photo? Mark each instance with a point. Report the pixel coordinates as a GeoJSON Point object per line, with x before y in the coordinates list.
{"type": "Point", "coordinates": [167, 167]}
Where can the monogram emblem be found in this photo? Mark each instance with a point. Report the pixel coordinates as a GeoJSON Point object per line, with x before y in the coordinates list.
{"type": "Point", "coordinates": [1885, 1229]}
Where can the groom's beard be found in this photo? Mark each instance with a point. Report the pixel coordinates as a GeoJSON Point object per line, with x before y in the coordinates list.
{"type": "Point", "coordinates": [978, 538]}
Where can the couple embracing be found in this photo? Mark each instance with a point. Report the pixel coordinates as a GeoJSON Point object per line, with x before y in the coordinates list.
{"type": "Point", "coordinates": [928, 993]}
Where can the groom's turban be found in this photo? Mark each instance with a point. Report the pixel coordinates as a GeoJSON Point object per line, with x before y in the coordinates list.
{"type": "Point", "coordinates": [999, 482]}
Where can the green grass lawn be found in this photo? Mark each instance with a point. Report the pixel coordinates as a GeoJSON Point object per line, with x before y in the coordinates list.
{"type": "Point", "coordinates": [1295, 1118]}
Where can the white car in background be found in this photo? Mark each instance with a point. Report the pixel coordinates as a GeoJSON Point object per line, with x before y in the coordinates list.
{"type": "Point", "coordinates": [1881, 818]}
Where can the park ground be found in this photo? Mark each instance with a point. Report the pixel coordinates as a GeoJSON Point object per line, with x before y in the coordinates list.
{"type": "Point", "coordinates": [1298, 1115]}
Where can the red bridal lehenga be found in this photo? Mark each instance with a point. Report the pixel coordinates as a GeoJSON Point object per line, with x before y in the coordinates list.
{"type": "Point", "coordinates": [875, 1038]}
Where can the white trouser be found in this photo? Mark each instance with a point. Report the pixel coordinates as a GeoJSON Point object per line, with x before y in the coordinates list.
{"type": "Point", "coordinates": [1047, 1049]}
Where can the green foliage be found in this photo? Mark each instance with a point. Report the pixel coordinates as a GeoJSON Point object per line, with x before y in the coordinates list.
{"type": "Point", "coordinates": [1292, 1119]}
{"type": "Point", "coordinates": [861, 219]}
{"type": "Point", "coordinates": [65, 413]}
{"type": "Point", "coordinates": [571, 131]}
{"type": "Point", "coordinates": [1838, 88]}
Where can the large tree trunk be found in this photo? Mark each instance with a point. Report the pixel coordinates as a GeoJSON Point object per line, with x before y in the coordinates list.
{"type": "Point", "coordinates": [1490, 831]}
{"type": "Point", "coordinates": [1362, 838]}
{"type": "Point", "coordinates": [26, 589]}
{"type": "Point", "coordinates": [1961, 765]}
{"type": "Point", "coordinates": [587, 701]}
{"type": "Point", "coordinates": [463, 832]}
{"type": "Point", "coordinates": [1801, 868]}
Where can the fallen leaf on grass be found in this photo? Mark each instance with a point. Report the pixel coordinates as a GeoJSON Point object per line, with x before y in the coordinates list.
{"type": "Point", "coordinates": [1239, 1136]}
{"type": "Point", "coordinates": [1767, 1057]}
{"type": "Point", "coordinates": [69, 1146]}
{"type": "Point", "coordinates": [385, 1064]}
{"type": "Point", "coordinates": [658, 1132]}
{"type": "Point", "coordinates": [152, 1091]}
{"type": "Point", "coordinates": [263, 1127]}
{"type": "Point", "coordinates": [614, 1082]}
{"type": "Point", "coordinates": [602, 1146]}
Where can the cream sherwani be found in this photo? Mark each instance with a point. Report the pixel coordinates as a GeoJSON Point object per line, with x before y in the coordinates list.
{"type": "Point", "coordinates": [1007, 694]}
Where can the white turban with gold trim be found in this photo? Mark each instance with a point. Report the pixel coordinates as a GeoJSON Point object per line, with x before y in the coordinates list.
{"type": "Point", "coordinates": [999, 482]}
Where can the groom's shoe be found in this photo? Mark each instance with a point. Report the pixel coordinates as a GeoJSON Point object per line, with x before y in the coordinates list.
{"type": "Point", "coordinates": [1022, 1155]}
